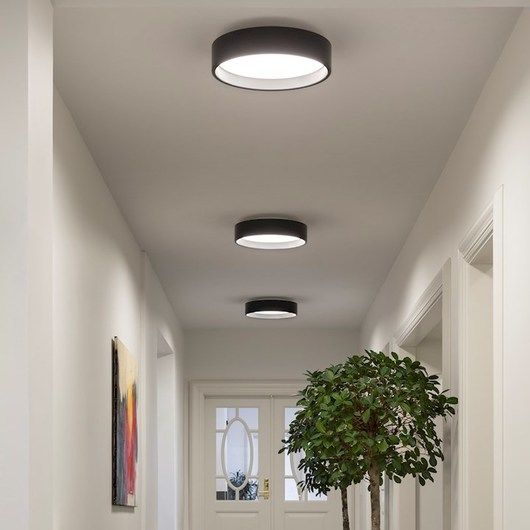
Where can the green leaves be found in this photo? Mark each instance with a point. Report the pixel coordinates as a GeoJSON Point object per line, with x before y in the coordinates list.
{"type": "Point", "coordinates": [328, 375]}
{"type": "Point", "coordinates": [372, 410]}
{"type": "Point", "coordinates": [382, 446]}
{"type": "Point", "coordinates": [366, 415]}
{"type": "Point", "coordinates": [320, 427]}
{"type": "Point", "coordinates": [406, 408]}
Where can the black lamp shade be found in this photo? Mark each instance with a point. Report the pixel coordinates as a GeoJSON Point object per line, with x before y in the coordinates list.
{"type": "Point", "coordinates": [271, 309]}
{"type": "Point", "coordinates": [271, 58]}
{"type": "Point", "coordinates": [270, 234]}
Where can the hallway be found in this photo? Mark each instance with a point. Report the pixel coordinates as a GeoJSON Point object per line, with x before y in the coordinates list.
{"type": "Point", "coordinates": [181, 254]}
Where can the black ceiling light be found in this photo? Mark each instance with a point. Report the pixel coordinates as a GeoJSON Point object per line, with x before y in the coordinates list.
{"type": "Point", "coordinates": [271, 309]}
{"type": "Point", "coordinates": [271, 58]}
{"type": "Point", "coordinates": [271, 234]}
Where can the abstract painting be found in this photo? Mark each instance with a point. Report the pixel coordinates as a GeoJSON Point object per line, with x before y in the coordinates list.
{"type": "Point", "coordinates": [124, 425]}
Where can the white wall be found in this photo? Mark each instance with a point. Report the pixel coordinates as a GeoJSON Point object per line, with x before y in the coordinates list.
{"type": "Point", "coordinates": [166, 430]}
{"type": "Point", "coordinates": [492, 151]}
{"type": "Point", "coordinates": [268, 353]}
{"type": "Point", "coordinates": [103, 286]}
{"type": "Point", "coordinates": [26, 92]}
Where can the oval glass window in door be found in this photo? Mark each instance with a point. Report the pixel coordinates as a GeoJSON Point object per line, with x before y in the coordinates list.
{"type": "Point", "coordinates": [237, 459]}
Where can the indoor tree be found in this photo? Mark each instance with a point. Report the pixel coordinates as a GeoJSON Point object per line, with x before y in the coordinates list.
{"type": "Point", "coordinates": [372, 416]}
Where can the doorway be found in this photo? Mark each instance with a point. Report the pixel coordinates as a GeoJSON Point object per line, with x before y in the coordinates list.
{"type": "Point", "coordinates": [167, 512]}
{"type": "Point", "coordinates": [425, 336]}
{"type": "Point", "coordinates": [244, 482]}
{"type": "Point", "coordinates": [429, 499]}
{"type": "Point", "coordinates": [479, 349]}
{"type": "Point", "coordinates": [480, 383]}
{"type": "Point", "coordinates": [482, 371]}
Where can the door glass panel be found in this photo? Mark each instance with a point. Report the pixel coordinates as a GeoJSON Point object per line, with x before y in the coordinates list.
{"type": "Point", "coordinates": [290, 413]}
{"type": "Point", "coordinates": [295, 459]}
{"type": "Point", "coordinates": [311, 496]}
{"type": "Point", "coordinates": [250, 417]}
{"type": "Point", "coordinates": [237, 462]}
{"type": "Point", "coordinates": [224, 416]}
{"type": "Point", "coordinates": [223, 492]}
{"type": "Point", "coordinates": [291, 490]}
{"type": "Point", "coordinates": [293, 475]}
{"type": "Point", "coordinates": [238, 448]}
{"type": "Point", "coordinates": [250, 491]}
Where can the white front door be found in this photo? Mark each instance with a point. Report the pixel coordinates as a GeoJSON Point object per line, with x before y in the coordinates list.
{"type": "Point", "coordinates": [237, 463]}
{"type": "Point", "coordinates": [295, 509]}
{"type": "Point", "coordinates": [247, 484]}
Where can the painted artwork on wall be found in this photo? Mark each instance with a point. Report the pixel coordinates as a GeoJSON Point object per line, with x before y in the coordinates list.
{"type": "Point", "coordinates": [124, 425]}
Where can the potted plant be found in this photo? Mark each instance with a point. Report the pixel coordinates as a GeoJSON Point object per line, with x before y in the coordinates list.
{"type": "Point", "coordinates": [248, 493]}
{"type": "Point", "coordinates": [372, 416]}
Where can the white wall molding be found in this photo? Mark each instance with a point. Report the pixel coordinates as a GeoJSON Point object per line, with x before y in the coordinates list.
{"type": "Point", "coordinates": [233, 387]}
{"type": "Point", "coordinates": [478, 236]}
{"type": "Point", "coordinates": [488, 227]}
{"type": "Point", "coordinates": [431, 295]}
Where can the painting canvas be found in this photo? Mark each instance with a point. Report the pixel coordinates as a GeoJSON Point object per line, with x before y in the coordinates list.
{"type": "Point", "coordinates": [124, 425]}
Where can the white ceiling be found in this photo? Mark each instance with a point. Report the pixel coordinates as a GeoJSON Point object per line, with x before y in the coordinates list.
{"type": "Point", "coordinates": [187, 157]}
{"type": "Point", "coordinates": [373, 4]}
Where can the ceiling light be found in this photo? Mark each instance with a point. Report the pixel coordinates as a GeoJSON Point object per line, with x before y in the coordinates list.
{"type": "Point", "coordinates": [271, 233]}
{"type": "Point", "coordinates": [271, 58]}
{"type": "Point", "coordinates": [269, 309]}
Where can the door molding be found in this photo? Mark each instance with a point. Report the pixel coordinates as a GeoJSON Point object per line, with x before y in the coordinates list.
{"type": "Point", "coordinates": [478, 236]}
{"type": "Point", "coordinates": [438, 290]}
{"type": "Point", "coordinates": [422, 307]}
{"type": "Point", "coordinates": [489, 226]}
{"type": "Point", "coordinates": [198, 392]}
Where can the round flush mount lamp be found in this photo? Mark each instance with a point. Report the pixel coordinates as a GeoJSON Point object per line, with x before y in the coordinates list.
{"type": "Point", "coordinates": [271, 309]}
{"type": "Point", "coordinates": [271, 58]}
{"type": "Point", "coordinates": [271, 234]}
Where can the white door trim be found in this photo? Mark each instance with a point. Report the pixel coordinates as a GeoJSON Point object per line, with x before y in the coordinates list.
{"type": "Point", "coordinates": [199, 391]}
{"type": "Point", "coordinates": [438, 290]}
{"type": "Point", "coordinates": [488, 226]}
{"type": "Point", "coordinates": [425, 303]}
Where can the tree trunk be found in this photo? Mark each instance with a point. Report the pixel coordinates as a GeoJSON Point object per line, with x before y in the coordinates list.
{"type": "Point", "coordinates": [345, 516]}
{"type": "Point", "coordinates": [375, 486]}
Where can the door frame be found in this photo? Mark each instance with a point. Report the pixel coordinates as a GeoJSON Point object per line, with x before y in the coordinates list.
{"type": "Point", "coordinates": [438, 290]}
{"type": "Point", "coordinates": [199, 391]}
{"type": "Point", "coordinates": [489, 226]}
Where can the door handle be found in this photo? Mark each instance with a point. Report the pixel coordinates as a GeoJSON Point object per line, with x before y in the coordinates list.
{"type": "Point", "coordinates": [265, 493]}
